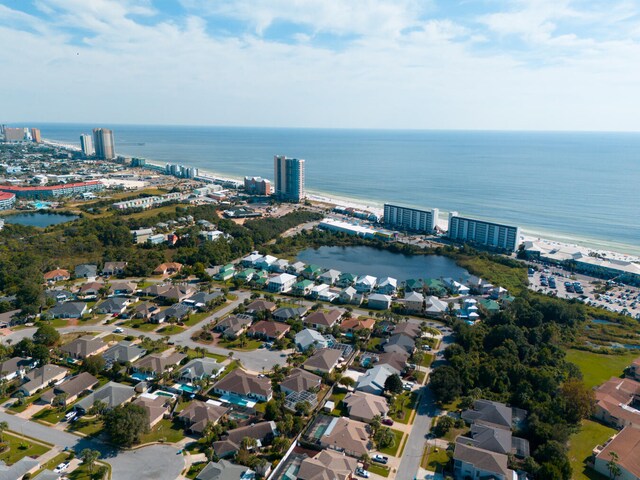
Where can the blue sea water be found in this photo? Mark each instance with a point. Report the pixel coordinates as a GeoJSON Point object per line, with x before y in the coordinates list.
{"type": "Point", "coordinates": [567, 186]}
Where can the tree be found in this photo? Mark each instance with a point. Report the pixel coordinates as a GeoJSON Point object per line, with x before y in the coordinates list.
{"type": "Point", "coordinates": [393, 383]}
{"type": "Point", "coordinates": [3, 427]}
{"type": "Point", "coordinates": [93, 364]}
{"type": "Point", "coordinates": [303, 408]}
{"type": "Point", "coordinates": [577, 399]}
{"type": "Point", "coordinates": [98, 408]}
{"type": "Point", "coordinates": [614, 469]}
{"type": "Point", "coordinates": [89, 458]}
{"type": "Point", "coordinates": [60, 400]}
{"type": "Point", "coordinates": [41, 354]}
{"type": "Point", "coordinates": [548, 471]}
{"type": "Point", "coordinates": [46, 335]}
{"type": "Point", "coordinates": [125, 424]}
{"type": "Point", "coordinates": [376, 423]}
{"type": "Point", "coordinates": [445, 383]}
{"type": "Point", "coordinates": [385, 438]}
{"type": "Point", "coordinates": [347, 382]}
{"type": "Point", "coordinates": [279, 445]}
{"type": "Point", "coordinates": [248, 443]}
{"type": "Point", "coordinates": [445, 424]}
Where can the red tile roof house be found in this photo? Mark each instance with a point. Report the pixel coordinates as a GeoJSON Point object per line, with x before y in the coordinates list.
{"type": "Point", "coordinates": [320, 320]}
{"type": "Point", "coordinates": [355, 324]}
{"type": "Point", "coordinates": [613, 401]}
{"type": "Point", "coordinates": [240, 383]}
{"type": "Point", "coordinates": [268, 330]}
{"type": "Point", "coordinates": [167, 268]}
{"type": "Point", "coordinates": [57, 275]}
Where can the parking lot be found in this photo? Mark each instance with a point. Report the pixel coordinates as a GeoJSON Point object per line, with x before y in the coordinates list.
{"type": "Point", "coordinates": [612, 297]}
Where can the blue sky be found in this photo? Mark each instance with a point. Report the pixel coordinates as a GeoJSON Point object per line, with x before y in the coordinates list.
{"type": "Point", "coordinates": [425, 64]}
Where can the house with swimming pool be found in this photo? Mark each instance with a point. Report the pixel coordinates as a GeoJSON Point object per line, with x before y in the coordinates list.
{"type": "Point", "coordinates": [242, 388]}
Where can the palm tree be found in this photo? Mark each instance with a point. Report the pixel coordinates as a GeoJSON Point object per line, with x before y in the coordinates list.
{"type": "Point", "coordinates": [3, 426]}
{"type": "Point", "coordinates": [89, 458]}
{"type": "Point", "coordinates": [614, 468]}
{"type": "Point", "coordinates": [247, 443]}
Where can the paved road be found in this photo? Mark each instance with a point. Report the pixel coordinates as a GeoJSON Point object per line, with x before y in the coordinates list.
{"type": "Point", "coordinates": [156, 462]}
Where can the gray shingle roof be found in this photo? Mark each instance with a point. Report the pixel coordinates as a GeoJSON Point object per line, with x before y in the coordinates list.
{"type": "Point", "coordinates": [112, 393]}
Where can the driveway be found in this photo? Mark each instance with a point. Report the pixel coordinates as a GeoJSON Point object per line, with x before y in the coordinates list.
{"type": "Point", "coordinates": [156, 462]}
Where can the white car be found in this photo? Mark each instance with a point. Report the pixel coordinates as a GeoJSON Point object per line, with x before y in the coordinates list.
{"type": "Point", "coordinates": [118, 330]}
{"type": "Point", "coordinates": [361, 472]}
{"type": "Point", "coordinates": [61, 467]}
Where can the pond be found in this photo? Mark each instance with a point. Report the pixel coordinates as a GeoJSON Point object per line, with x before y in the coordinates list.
{"type": "Point", "coordinates": [382, 263]}
{"type": "Point", "coordinates": [39, 219]}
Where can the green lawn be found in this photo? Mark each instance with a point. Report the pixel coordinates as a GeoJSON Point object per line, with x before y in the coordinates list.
{"type": "Point", "coordinates": [112, 337]}
{"type": "Point", "coordinates": [250, 344]}
{"type": "Point", "coordinates": [50, 415]}
{"type": "Point", "coordinates": [427, 360]}
{"type": "Point", "coordinates": [195, 469]}
{"type": "Point", "coordinates": [170, 330]}
{"type": "Point", "coordinates": [373, 343]}
{"type": "Point", "coordinates": [191, 354]}
{"type": "Point", "coordinates": [408, 400]}
{"type": "Point", "coordinates": [597, 368]}
{"type": "Point", "coordinates": [82, 472]}
{"type": "Point", "coordinates": [393, 451]}
{"type": "Point", "coordinates": [164, 431]}
{"type": "Point", "coordinates": [88, 427]}
{"type": "Point", "coordinates": [20, 448]}
{"type": "Point", "coordinates": [51, 464]}
{"type": "Point", "coordinates": [378, 469]}
{"type": "Point", "coordinates": [140, 324]}
{"type": "Point", "coordinates": [580, 446]}
{"type": "Point", "coordinates": [436, 459]}
{"type": "Point", "coordinates": [228, 369]}
{"type": "Point", "coordinates": [26, 403]}
{"type": "Point", "coordinates": [340, 410]}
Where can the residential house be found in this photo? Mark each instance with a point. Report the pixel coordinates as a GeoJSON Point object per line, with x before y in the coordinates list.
{"type": "Point", "coordinates": [69, 310]}
{"type": "Point", "coordinates": [200, 369]}
{"type": "Point", "coordinates": [268, 330]}
{"type": "Point", "coordinates": [281, 283]}
{"type": "Point", "coordinates": [302, 288]}
{"type": "Point", "coordinates": [365, 406]}
{"type": "Point", "coordinates": [348, 436]}
{"type": "Point", "coordinates": [352, 325]}
{"type": "Point", "coordinates": [311, 272]}
{"type": "Point", "coordinates": [156, 363]}
{"type": "Point", "coordinates": [259, 305]}
{"type": "Point", "coordinates": [156, 406]}
{"type": "Point", "coordinates": [141, 235]}
{"type": "Point", "coordinates": [19, 469]}
{"type": "Point", "coordinates": [86, 271]}
{"type": "Point", "coordinates": [494, 413]}
{"type": "Point", "coordinates": [615, 401]}
{"type": "Point", "coordinates": [262, 432]}
{"type": "Point", "coordinates": [473, 462]}
{"type": "Point", "coordinates": [479, 286]}
{"type": "Point", "coordinates": [42, 377]}
{"type": "Point", "coordinates": [413, 285]}
{"type": "Point", "coordinates": [225, 470]}
{"type": "Point", "coordinates": [365, 283]}
{"type": "Point", "coordinates": [203, 300]}
{"type": "Point", "coordinates": [175, 312]}
{"type": "Point", "coordinates": [626, 446]}
{"type": "Point", "coordinates": [296, 268]}
{"type": "Point", "coordinates": [59, 295]}
{"type": "Point", "coordinates": [113, 305]}
{"type": "Point", "coordinates": [456, 287]}
{"type": "Point", "coordinates": [289, 313]}
{"type": "Point", "coordinates": [309, 338]}
{"type": "Point", "coordinates": [399, 343]}
{"type": "Point", "coordinates": [491, 306]}
{"type": "Point", "coordinates": [330, 277]}
{"type": "Point", "coordinates": [16, 367]}
{"type": "Point", "coordinates": [346, 280]}
{"type": "Point", "coordinates": [414, 302]}
{"type": "Point", "coordinates": [300, 380]}
{"type": "Point", "coordinates": [123, 288]}
{"type": "Point", "coordinates": [436, 287]}
{"type": "Point", "coordinates": [245, 385]}
{"type": "Point", "coordinates": [113, 268]}
{"type": "Point", "coordinates": [145, 310]}
{"type": "Point", "coordinates": [233, 326]}
{"type": "Point", "coordinates": [396, 360]}
{"type": "Point", "coordinates": [387, 286]}
{"type": "Point", "coordinates": [324, 360]}
{"type": "Point", "coordinates": [84, 347]}
{"type": "Point", "coordinates": [378, 301]}
{"type": "Point", "coordinates": [499, 293]}
{"type": "Point", "coordinates": [318, 290]}
{"type": "Point", "coordinates": [176, 293]}
{"type": "Point", "coordinates": [434, 307]}
{"type": "Point", "coordinates": [350, 296]}
{"type": "Point", "coordinates": [57, 275]}
{"type": "Point", "coordinates": [280, 266]}
{"type": "Point", "coordinates": [328, 464]}
{"type": "Point", "coordinates": [168, 268]}
{"type": "Point", "coordinates": [495, 439]}
{"type": "Point", "coordinates": [226, 273]}
{"type": "Point", "coordinates": [123, 352]}
{"type": "Point", "coordinates": [71, 389]}
{"type": "Point", "coordinates": [197, 415]}
{"type": "Point", "coordinates": [374, 378]}
{"type": "Point", "coordinates": [112, 394]}
{"type": "Point", "coordinates": [266, 262]}
{"type": "Point", "coordinates": [90, 289]}
{"type": "Point", "coordinates": [246, 275]}
{"type": "Point", "coordinates": [155, 290]}
{"type": "Point", "coordinates": [251, 260]}
{"type": "Point", "coordinates": [408, 328]}
{"type": "Point", "coordinates": [323, 319]}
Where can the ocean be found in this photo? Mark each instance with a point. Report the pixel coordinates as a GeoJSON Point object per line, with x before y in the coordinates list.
{"type": "Point", "coordinates": [571, 187]}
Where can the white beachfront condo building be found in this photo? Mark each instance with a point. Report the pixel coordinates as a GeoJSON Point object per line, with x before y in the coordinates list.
{"type": "Point", "coordinates": [412, 219]}
{"type": "Point", "coordinates": [481, 232]}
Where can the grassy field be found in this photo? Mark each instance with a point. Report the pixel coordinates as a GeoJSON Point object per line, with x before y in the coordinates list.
{"type": "Point", "coordinates": [393, 451]}
{"type": "Point", "coordinates": [170, 330]}
{"type": "Point", "coordinates": [50, 415]}
{"type": "Point", "coordinates": [20, 448]}
{"type": "Point", "coordinates": [513, 279]}
{"type": "Point", "coordinates": [249, 345]}
{"type": "Point", "coordinates": [435, 459]}
{"type": "Point", "coordinates": [597, 368]}
{"type": "Point", "coordinates": [191, 354]}
{"type": "Point", "coordinates": [87, 427]}
{"type": "Point", "coordinates": [408, 400]}
{"type": "Point", "coordinates": [580, 446]}
{"type": "Point", "coordinates": [152, 212]}
{"type": "Point", "coordinates": [140, 324]}
{"type": "Point", "coordinates": [378, 469]}
{"type": "Point", "coordinates": [164, 431]}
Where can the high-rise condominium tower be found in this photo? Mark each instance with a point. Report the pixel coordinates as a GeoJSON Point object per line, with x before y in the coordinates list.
{"type": "Point", "coordinates": [104, 144]}
{"type": "Point", "coordinates": [289, 178]}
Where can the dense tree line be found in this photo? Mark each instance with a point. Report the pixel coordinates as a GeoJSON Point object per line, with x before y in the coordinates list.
{"type": "Point", "coordinates": [516, 356]}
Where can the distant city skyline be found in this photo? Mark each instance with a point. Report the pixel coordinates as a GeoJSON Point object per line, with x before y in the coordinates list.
{"type": "Point", "coordinates": [386, 64]}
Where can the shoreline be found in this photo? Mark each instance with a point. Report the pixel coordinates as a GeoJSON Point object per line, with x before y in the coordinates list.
{"type": "Point", "coordinates": [611, 250]}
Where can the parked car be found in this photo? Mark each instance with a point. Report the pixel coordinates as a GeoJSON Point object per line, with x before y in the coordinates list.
{"type": "Point", "coordinates": [118, 330]}
{"type": "Point", "coordinates": [380, 459]}
{"type": "Point", "coordinates": [61, 467]}
{"type": "Point", "coordinates": [387, 421]}
{"type": "Point", "coordinates": [361, 472]}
